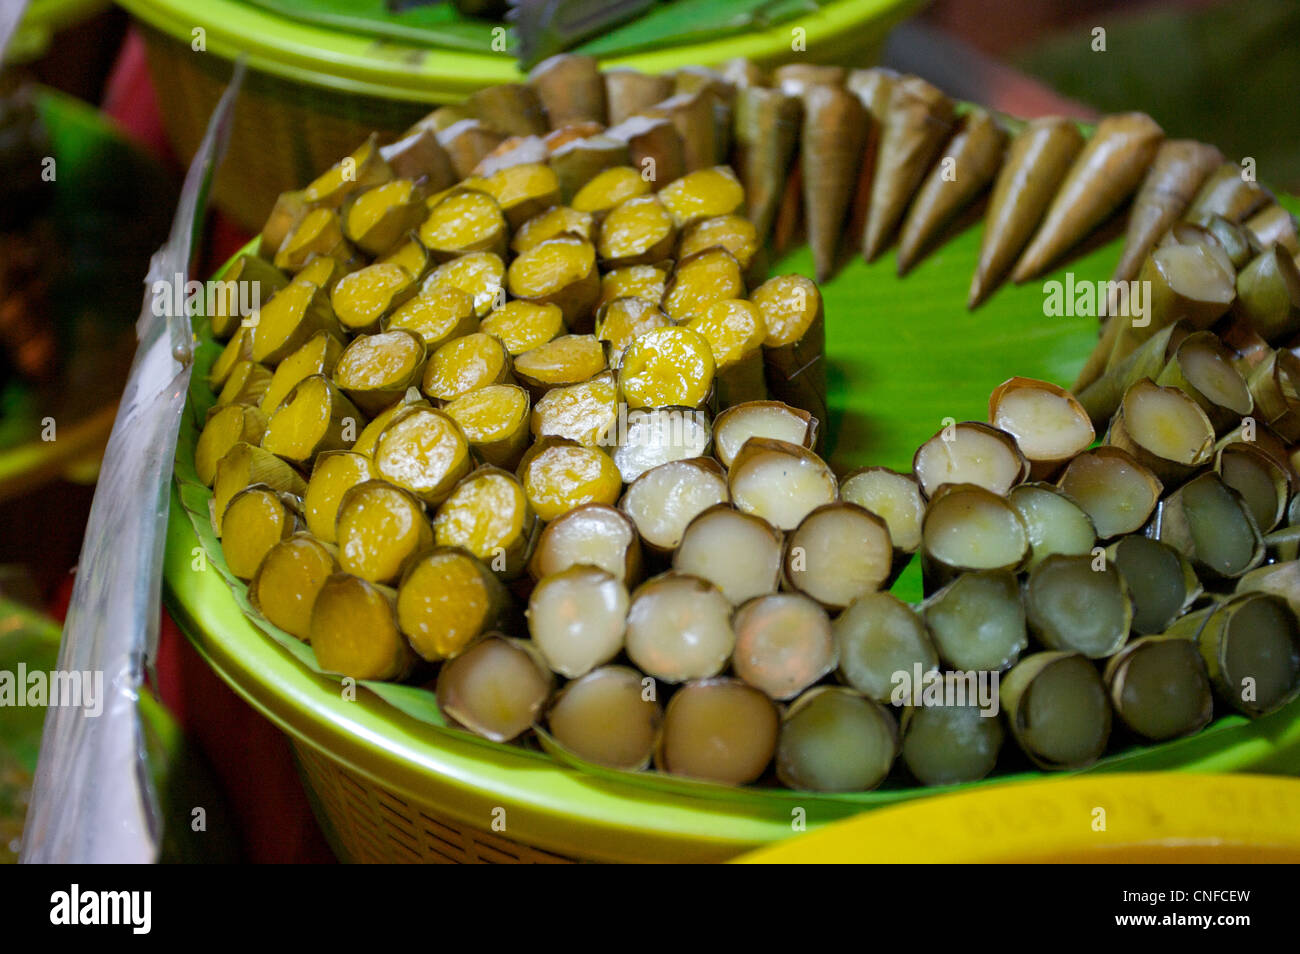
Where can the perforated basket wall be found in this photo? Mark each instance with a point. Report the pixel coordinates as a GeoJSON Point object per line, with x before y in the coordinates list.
{"type": "Point", "coordinates": [366, 823]}
{"type": "Point", "coordinates": [285, 133]}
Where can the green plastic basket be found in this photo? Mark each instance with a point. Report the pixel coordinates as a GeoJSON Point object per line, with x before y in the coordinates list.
{"type": "Point", "coordinates": [312, 94]}
{"type": "Point", "coordinates": [904, 354]}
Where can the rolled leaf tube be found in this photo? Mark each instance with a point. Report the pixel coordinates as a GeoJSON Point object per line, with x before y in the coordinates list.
{"type": "Point", "coordinates": [770, 419]}
{"type": "Point", "coordinates": [247, 464]}
{"type": "Point", "coordinates": [1161, 583]}
{"type": "Point", "coordinates": [735, 331]}
{"type": "Point", "coordinates": [487, 515]}
{"type": "Point", "coordinates": [967, 527]}
{"type": "Point", "coordinates": [779, 481]}
{"type": "Point", "coordinates": [679, 628]}
{"type": "Point", "coordinates": [333, 475]}
{"type": "Point", "coordinates": [882, 645]}
{"type": "Point", "coordinates": [447, 601]}
{"type": "Point", "coordinates": [692, 116]}
{"type": "Point", "coordinates": [464, 221]}
{"type": "Point", "coordinates": [620, 321]}
{"type": "Point", "coordinates": [1055, 522]}
{"type": "Point", "coordinates": [783, 644]}
{"type": "Point", "coordinates": [523, 325]}
{"type": "Point", "coordinates": [585, 413]}
{"type": "Point", "coordinates": [665, 499]}
{"type": "Point", "coordinates": [376, 370]}
{"type": "Point", "coordinates": [255, 520]}
{"type": "Point", "coordinates": [497, 689]}
{"type": "Point", "coordinates": [1037, 161]}
{"type": "Point", "coordinates": [354, 630]}
{"type": "Point", "coordinates": [1160, 688]}
{"type": "Point", "coordinates": [970, 453]}
{"type": "Point", "coordinates": [977, 621]}
{"type": "Point", "coordinates": [739, 553]}
{"type": "Point", "coordinates": [464, 365]}
{"type": "Point", "coordinates": [315, 417]}
{"type": "Point", "coordinates": [719, 730]}
{"type": "Point", "coordinates": [560, 362]}
{"type": "Point", "coordinates": [1264, 484]}
{"type": "Point", "coordinates": [247, 384]}
{"type": "Point", "coordinates": [947, 744]}
{"type": "Point", "coordinates": [557, 220]}
{"type": "Point", "coordinates": [1071, 605]}
{"type": "Point", "coordinates": [1104, 174]}
{"type": "Point", "coordinates": [289, 319]}
{"type": "Point", "coordinates": [1229, 193]}
{"type": "Point", "coordinates": [1275, 386]}
{"type": "Point", "coordinates": [975, 152]}
{"type": "Point", "coordinates": [605, 718]}
{"type": "Point", "coordinates": [256, 280]}
{"type": "Point", "coordinates": [1274, 225]}
{"type": "Point", "coordinates": [697, 282]}
{"type": "Point", "coordinates": [1050, 426]}
{"type": "Point", "coordinates": [648, 437]}
{"type": "Point", "coordinates": [638, 231]}
{"type": "Point", "coordinates": [656, 155]}
{"type": "Point", "coordinates": [834, 739]}
{"type": "Point", "coordinates": [1104, 390]}
{"type": "Point", "coordinates": [226, 426]}
{"type": "Point", "coordinates": [560, 476]}
{"type": "Point", "coordinates": [1208, 522]}
{"type": "Point", "coordinates": [630, 91]}
{"type": "Point", "coordinates": [794, 352]}
{"type": "Point", "coordinates": [320, 355]}
{"type": "Point", "coordinates": [288, 580]}
{"type": "Point", "coordinates": [667, 367]}
{"type": "Point", "coordinates": [896, 498]}
{"type": "Point", "coordinates": [1251, 647]}
{"type": "Point", "coordinates": [570, 89]}
{"type": "Point", "coordinates": [703, 194]}
{"type": "Point", "coordinates": [379, 530]}
{"type": "Point", "coordinates": [560, 271]}
{"type": "Point", "coordinates": [437, 316]}
{"type": "Point", "coordinates": [1116, 492]}
{"type": "Point", "coordinates": [512, 108]}
{"type": "Point", "coordinates": [481, 275]}
{"type": "Point", "coordinates": [1203, 369]}
{"type": "Point", "coordinates": [1176, 174]}
{"type": "Point", "coordinates": [595, 535]}
{"type": "Point", "coordinates": [577, 619]}
{"type": "Point", "coordinates": [1057, 709]}
{"type": "Point", "coordinates": [579, 161]}
{"type": "Point", "coordinates": [1268, 295]}
{"type": "Point", "coordinates": [423, 451]}
{"type": "Point", "coordinates": [369, 436]}
{"type": "Point", "coordinates": [362, 298]}
{"type": "Point", "coordinates": [377, 219]}
{"type": "Point", "coordinates": [1164, 430]}
{"type": "Point", "coordinates": [837, 553]}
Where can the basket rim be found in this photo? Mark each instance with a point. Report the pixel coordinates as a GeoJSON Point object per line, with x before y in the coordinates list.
{"type": "Point", "coordinates": [363, 65]}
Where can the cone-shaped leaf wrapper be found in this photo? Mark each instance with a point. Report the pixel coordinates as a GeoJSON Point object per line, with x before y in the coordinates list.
{"type": "Point", "coordinates": [976, 152]}
{"type": "Point", "coordinates": [1105, 174]}
{"type": "Point", "coordinates": [1036, 162]}
{"type": "Point", "coordinates": [919, 122]}
{"type": "Point", "coordinates": [766, 134]}
{"type": "Point", "coordinates": [834, 133]}
{"type": "Point", "coordinates": [1180, 166]}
